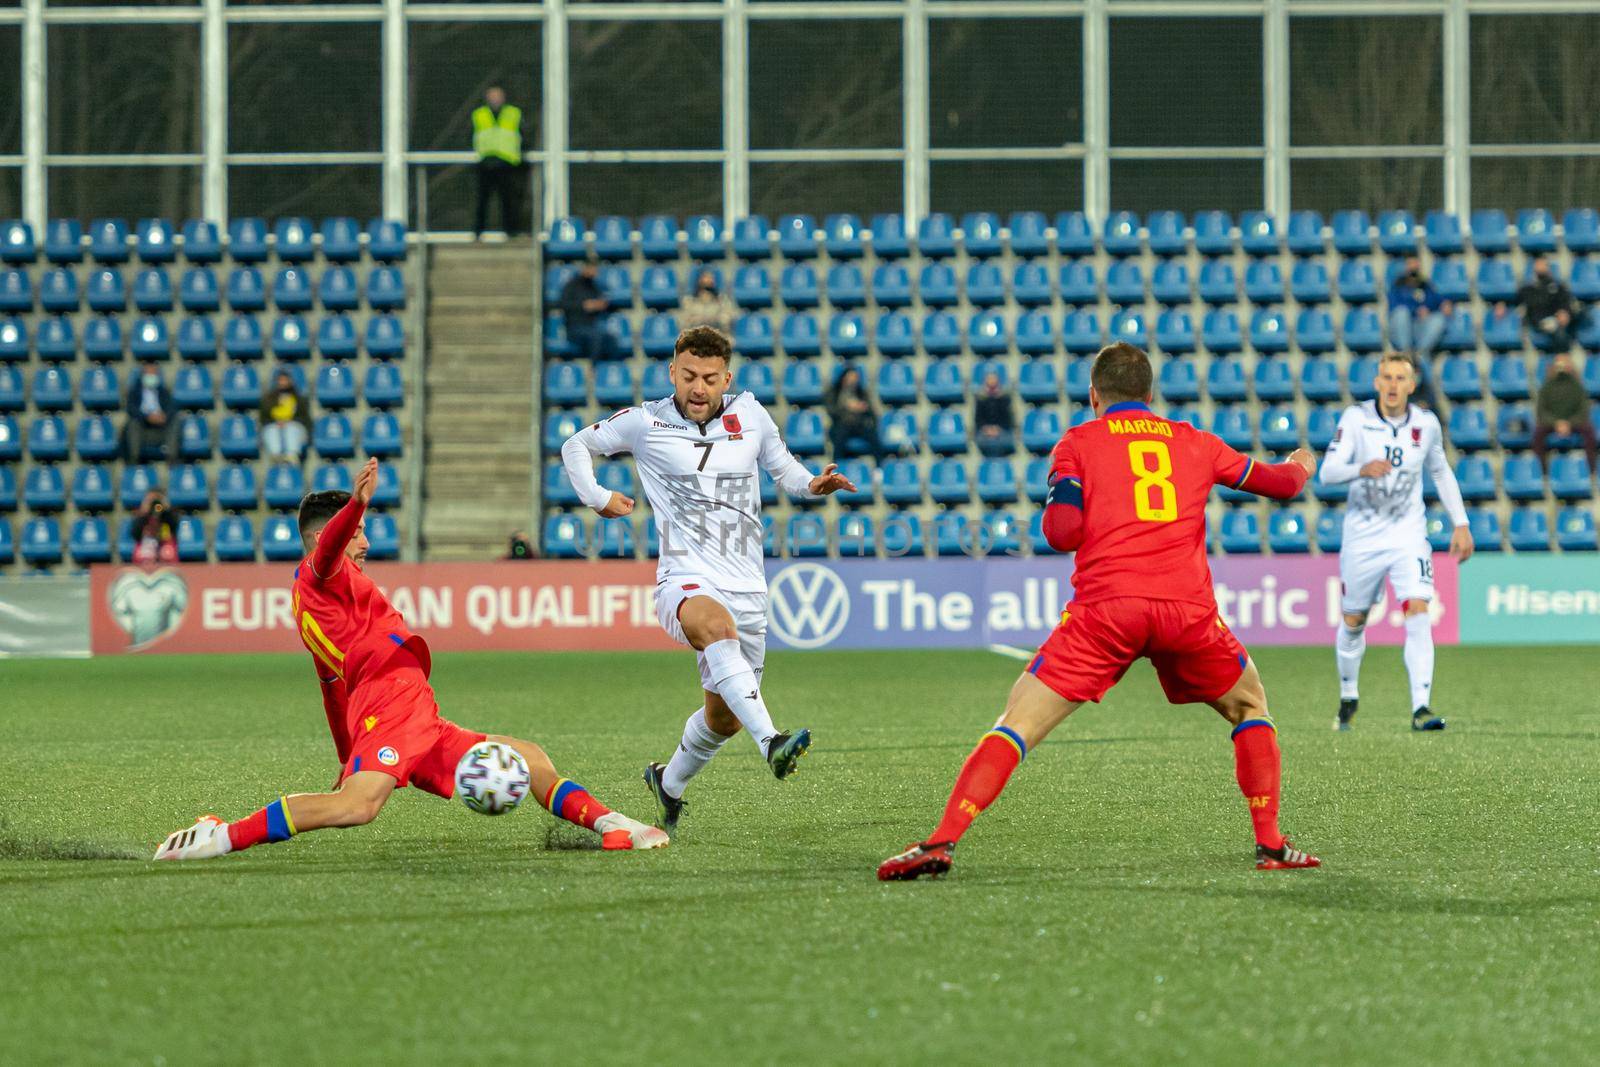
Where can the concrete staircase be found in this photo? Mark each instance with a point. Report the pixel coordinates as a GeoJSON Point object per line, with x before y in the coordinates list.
{"type": "Point", "coordinates": [478, 477]}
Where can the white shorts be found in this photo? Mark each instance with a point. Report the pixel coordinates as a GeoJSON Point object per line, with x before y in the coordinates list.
{"type": "Point", "coordinates": [749, 611]}
{"type": "Point", "coordinates": [1361, 574]}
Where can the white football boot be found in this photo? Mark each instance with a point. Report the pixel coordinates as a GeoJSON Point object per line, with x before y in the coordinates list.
{"type": "Point", "coordinates": [617, 831]}
{"type": "Point", "coordinates": [208, 837]}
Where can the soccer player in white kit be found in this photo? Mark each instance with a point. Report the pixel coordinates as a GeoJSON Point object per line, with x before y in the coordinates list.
{"type": "Point", "coordinates": [1382, 448]}
{"type": "Point", "coordinates": [697, 452]}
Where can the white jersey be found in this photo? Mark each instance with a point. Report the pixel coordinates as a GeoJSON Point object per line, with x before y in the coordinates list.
{"type": "Point", "coordinates": [700, 479]}
{"type": "Point", "coordinates": [1388, 512]}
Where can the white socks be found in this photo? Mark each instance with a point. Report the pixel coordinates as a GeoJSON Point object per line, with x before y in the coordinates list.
{"type": "Point", "coordinates": [700, 743]}
{"type": "Point", "coordinates": [735, 682]}
{"type": "Point", "coordinates": [1348, 649]}
{"type": "Point", "coordinates": [1419, 658]}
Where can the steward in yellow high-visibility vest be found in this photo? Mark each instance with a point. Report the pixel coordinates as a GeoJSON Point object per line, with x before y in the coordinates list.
{"type": "Point", "coordinates": [497, 139]}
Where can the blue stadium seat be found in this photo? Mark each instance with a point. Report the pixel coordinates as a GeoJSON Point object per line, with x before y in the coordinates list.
{"type": "Point", "coordinates": [941, 334]}
{"type": "Point", "coordinates": [383, 387]}
{"type": "Point", "coordinates": [194, 437]}
{"type": "Point", "coordinates": [802, 384]}
{"type": "Point", "coordinates": [943, 382]}
{"type": "Point", "coordinates": [241, 387]}
{"type": "Point", "coordinates": [567, 239]}
{"type": "Point", "coordinates": [803, 431]}
{"type": "Point", "coordinates": [659, 336]}
{"type": "Point", "coordinates": [1037, 382]}
{"type": "Point", "coordinates": [336, 337]}
{"type": "Point", "coordinates": [703, 237]}
{"type": "Point", "coordinates": [235, 540]}
{"type": "Point", "coordinates": [1213, 233]}
{"type": "Point", "coordinates": [1358, 283]}
{"type": "Point", "coordinates": [283, 487]}
{"type": "Point", "coordinates": [1360, 375]}
{"type": "Point", "coordinates": [47, 437]}
{"type": "Point", "coordinates": [1078, 284]}
{"type": "Point", "coordinates": [201, 242]}
{"type": "Point", "coordinates": [806, 536]}
{"type": "Point", "coordinates": [1129, 326]}
{"type": "Point", "coordinates": [16, 291]}
{"type": "Point", "coordinates": [936, 236]}
{"type": "Point", "coordinates": [238, 437]}
{"type": "Point", "coordinates": [1321, 424]}
{"type": "Point", "coordinates": [798, 287]}
{"type": "Point", "coordinates": [658, 237]}
{"type": "Point", "coordinates": [198, 291]}
{"type": "Point", "coordinates": [1496, 280]}
{"type": "Point", "coordinates": [936, 286]}
{"type": "Point", "coordinates": [386, 289]}
{"type": "Point", "coordinates": [614, 539]}
{"type": "Point", "coordinates": [986, 333]}
{"type": "Point", "coordinates": [1074, 235]}
{"type": "Point", "coordinates": [13, 395]}
{"type": "Point", "coordinates": [8, 487]}
{"type": "Point", "coordinates": [1164, 233]}
{"type": "Point", "coordinates": [1169, 283]}
{"type": "Point", "coordinates": [842, 236]}
{"type": "Point", "coordinates": [1486, 530]}
{"type": "Point", "coordinates": [859, 471]}
{"type": "Point", "coordinates": [1442, 230]}
{"type": "Point", "coordinates": [387, 493]}
{"type": "Point", "coordinates": [1279, 429]}
{"type": "Point", "coordinates": [1218, 283]}
{"type": "Point", "coordinates": [52, 388]}
{"type": "Point", "coordinates": [102, 339]}
{"type": "Point", "coordinates": [1241, 533]}
{"type": "Point", "coordinates": [380, 435]}
{"type": "Point", "coordinates": [1514, 426]}
{"type": "Point", "coordinates": [1585, 281]}
{"type": "Point", "coordinates": [1570, 478]}
{"type": "Point", "coordinates": [1352, 233]}
{"type": "Point", "coordinates": [948, 482]}
{"type": "Point", "coordinates": [1263, 282]}
{"type": "Point", "coordinates": [1179, 381]}
{"type": "Point", "coordinates": [63, 241]}
{"type": "Point", "coordinates": [897, 384]}
{"type": "Point", "coordinates": [341, 240]}
{"type": "Point", "coordinates": [187, 488]}
{"type": "Point", "coordinates": [1041, 429]}
{"type": "Point", "coordinates": [11, 436]}
{"type": "Point", "coordinates": [1220, 333]}
{"type": "Point", "coordinates": [16, 242]}
{"type": "Point", "coordinates": [291, 338]}
{"type": "Point", "coordinates": [1305, 234]}
{"type": "Point", "coordinates": [900, 482]}
{"type": "Point", "coordinates": [556, 277]}
{"type": "Point", "coordinates": [986, 286]}
{"type": "Point", "coordinates": [797, 237]}
{"type": "Point", "coordinates": [1581, 230]}
{"type": "Point", "coordinates": [292, 240]}
{"type": "Point", "coordinates": [1274, 380]}
{"type": "Point", "coordinates": [197, 339]}
{"type": "Point", "coordinates": [800, 336]}
{"type": "Point", "coordinates": [980, 234]}
{"type": "Point", "coordinates": [1175, 332]}
{"type": "Point", "coordinates": [246, 291]}
{"type": "Point", "coordinates": [1120, 235]}
{"type": "Point", "coordinates": [247, 240]}
{"type": "Point", "coordinates": [658, 288]}
{"type": "Point", "coordinates": [1125, 282]}
{"type": "Point", "coordinates": [891, 285]}
{"type": "Point", "coordinates": [1035, 333]}
{"type": "Point", "coordinates": [1313, 331]}
{"type": "Point", "coordinates": [1287, 532]}
{"type": "Point", "coordinates": [44, 488]}
{"type": "Point", "coordinates": [558, 490]}
{"type": "Point", "coordinates": [613, 237]}
{"type": "Point", "coordinates": [108, 240]}
{"type": "Point", "coordinates": [1232, 424]}
{"type": "Point", "coordinates": [655, 382]}
{"type": "Point", "coordinates": [1309, 282]}
{"type": "Point", "coordinates": [1476, 478]}
{"type": "Point", "coordinates": [106, 291]}
{"type": "Point", "coordinates": [337, 290]}
{"type": "Point", "coordinates": [1076, 377]}
{"type": "Point", "coordinates": [1397, 233]}
{"type": "Point", "coordinates": [752, 287]}
{"type": "Point", "coordinates": [291, 290]}
{"type": "Point", "coordinates": [95, 439]}
{"type": "Point", "coordinates": [136, 483]}
{"type": "Point", "coordinates": [14, 339]}
{"type": "Point", "coordinates": [1458, 378]}
{"type": "Point", "coordinates": [854, 534]}
{"type": "Point", "coordinates": [1226, 381]}
{"type": "Point", "coordinates": [1258, 234]}
{"type": "Point", "coordinates": [92, 490]}
{"type": "Point", "coordinates": [1489, 230]}
{"type": "Point", "coordinates": [191, 540]}
{"type": "Point", "coordinates": [847, 335]}
{"type": "Point", "coordinates": [41, 542]}
{"type": "Point", "coordinates": [1575, 530]}
{"type": "Point", "coordinates": [1450, 280]}
{"type": "Point", "coordinates": [889, 237]}
{"type": "Point", "coordinates": [846, 288]}
{"type": "Point", "coordinates": [1469, 428]}
{"type": "Point", "coordinates": [1508, 378]}
{"type": "Point", "coordinates": [332, 437]}
{"type": "Point", "coordinates": [947, 432]}
{"type": "Point", "coordinates": [1362, 330]}
{"type": "Point", "coordinates": [1330, 530]}
{"type": "Point", "coordinates": [1536, 230]}
{"type": "Point", "coordinates": [752, 237]}
{"type": "Point", "coordinates": [1530, 530]}
{"type": "Point", "coordinates": [1028, 233]}
{"type": "Point", "coordinates": [1081, 332]}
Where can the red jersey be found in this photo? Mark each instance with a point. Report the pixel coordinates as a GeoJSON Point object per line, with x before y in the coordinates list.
{"type": "Point", "coordinates": [344, 619]}
{"type": "Point", "coordinates": [1144, 480]}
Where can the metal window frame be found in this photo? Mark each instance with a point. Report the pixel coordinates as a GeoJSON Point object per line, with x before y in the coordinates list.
{"type": "Point", "coordinates": [915, 153]}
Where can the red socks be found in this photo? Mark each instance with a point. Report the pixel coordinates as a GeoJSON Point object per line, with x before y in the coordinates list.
{"type": "Point", "coordinates": [982, 778]}
{"type": "Point", "coordinates": [271, 823]}
{"type": "Point", "coordinates": [1260, 771]}
{"type": "Point", "coordinates": [570, 801]}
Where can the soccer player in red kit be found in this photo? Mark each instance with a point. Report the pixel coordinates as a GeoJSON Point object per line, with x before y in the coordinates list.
{"type": "Point", "coordinates": [1128, 495]}
{"type": "Point", "coordinates": [380, 707]}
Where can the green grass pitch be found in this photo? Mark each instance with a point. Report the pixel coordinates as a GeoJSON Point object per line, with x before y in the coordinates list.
{"type": "Point", "coordinates": [1105, 910]}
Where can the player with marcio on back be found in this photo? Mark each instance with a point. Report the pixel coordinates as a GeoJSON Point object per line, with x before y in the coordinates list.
{"type": "Point", "coordinates": [1381, 448]}
{"type": "Point", "coordinates": [1128, 495]}
{"type": "Point", "coordinates": [381, 709]}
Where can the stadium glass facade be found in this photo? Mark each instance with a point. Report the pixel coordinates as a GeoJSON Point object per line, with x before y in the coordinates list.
{"type": "Point", "coordinates": [182, 109]}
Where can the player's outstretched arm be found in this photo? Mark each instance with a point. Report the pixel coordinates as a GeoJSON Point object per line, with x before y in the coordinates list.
{"type": "Point", "coordinates": [328, 555]}
{"type": "Point", "coordinates": [1339, 463]}
{"type": "Point", "coordinates": [1278, 481]}
{"type": "Point", "coordinates": [608, 438]}
{"type": "Point", "coordinates": [791, 475]}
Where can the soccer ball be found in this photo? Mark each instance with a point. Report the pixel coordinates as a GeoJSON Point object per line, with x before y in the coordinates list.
{"type": "Point", "coordinates": [492, 778]}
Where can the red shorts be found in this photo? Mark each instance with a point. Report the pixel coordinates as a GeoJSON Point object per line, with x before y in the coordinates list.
{"type": "Point", "coordinates": [1196, 657]}
{"type": "Point", "coordinates": [396, 730]}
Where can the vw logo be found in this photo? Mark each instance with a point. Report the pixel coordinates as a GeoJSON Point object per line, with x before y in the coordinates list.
{"type": "Point", "coordinates": [809, 605]}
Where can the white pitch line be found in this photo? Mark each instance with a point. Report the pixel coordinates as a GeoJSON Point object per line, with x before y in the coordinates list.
{"type": "Point", "coordinates": [1012, 650]}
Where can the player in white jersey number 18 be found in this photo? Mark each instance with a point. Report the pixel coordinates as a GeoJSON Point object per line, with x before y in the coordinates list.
{"type": "Point", "coordinates": [697, 453]}
{"type": "Point", "coordinates": [1383, 447]}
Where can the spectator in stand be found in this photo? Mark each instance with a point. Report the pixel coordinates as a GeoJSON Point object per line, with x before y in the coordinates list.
{"type": "Point", "coordinates": [1417, 321]}
{"type": "Point", "coordinates": [706, 306]}
{"type": "Point", "coordinates": [994, 418]}
{"type": "Point", "coordinates": [1547, 307]}
{"type": "Point", "coordinates": [285, 422]}
{"type": "Point", "coordinates": [497, 139]}
{"type": "Point", "coordinates": [521, 547]}
{"type": "Point", "coordinates": [152, 416]}
{"type": "Point", "coordinates": [1562, 410]}
{"type": "Point", "coordinates": [155, 531]}
{"type": "Point", "coordinates": [853, 429]}
{"type": "Point", "coordinates": [582, 305]}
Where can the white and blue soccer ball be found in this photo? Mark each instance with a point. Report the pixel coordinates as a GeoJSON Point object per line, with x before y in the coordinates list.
{"type": "Point", "coordinates": [492, 778]}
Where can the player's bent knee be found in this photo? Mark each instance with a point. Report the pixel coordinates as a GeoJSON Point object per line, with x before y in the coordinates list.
{"type": "Point", "coordinates": [1355, 622]}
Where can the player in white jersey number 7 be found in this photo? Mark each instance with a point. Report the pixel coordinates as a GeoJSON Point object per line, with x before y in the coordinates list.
{"type": "Point", "coordinates": [1382, 448]}
{"type": "Point", "coordinates": [697, 452]}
